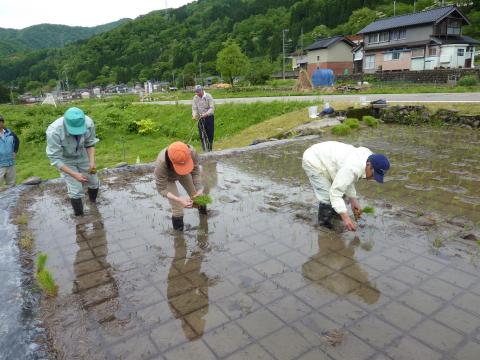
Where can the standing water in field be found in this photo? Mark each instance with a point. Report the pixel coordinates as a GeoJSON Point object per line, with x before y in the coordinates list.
{"type": "Point", "coordinates": [256, 277]}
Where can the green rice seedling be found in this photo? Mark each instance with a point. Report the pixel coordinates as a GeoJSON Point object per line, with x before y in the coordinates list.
{"type": "Point", "coordinates": [26, 241]}
{"type": "Point", "coordinates": [478, 247]}
{"type": "Point", "coordinates": [47, 283]}
{"type": "Point", "coordinates": [368, 210]}
{"type": "Point", "coordinates": [370, 121]}
{"type": "Point", "coordinates": [437, 243]}
{"type": "Point", "coordinates": [202, 200]}
{"type": "Point", "coordinates": [41, 261]}
{"type": "Point", "coordinates": [22, 219]}
{"type": "Point", "coordinates": [352, 123]}
{"type": "Point", "coordinates": [341, 130]}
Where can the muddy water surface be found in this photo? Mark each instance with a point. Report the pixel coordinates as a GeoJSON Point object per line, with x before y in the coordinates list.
{"type": "Point", "coordinates": [256, 278]}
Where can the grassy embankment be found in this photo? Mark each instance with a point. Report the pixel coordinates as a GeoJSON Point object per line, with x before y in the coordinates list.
{"type": "Point", "coordinates": [120, 138]}
{"type": "Point", "coordinates": [286, 89]}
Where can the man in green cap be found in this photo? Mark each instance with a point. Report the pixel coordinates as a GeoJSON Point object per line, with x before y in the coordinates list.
{"type": "Point", "coordinates": [71, 149]}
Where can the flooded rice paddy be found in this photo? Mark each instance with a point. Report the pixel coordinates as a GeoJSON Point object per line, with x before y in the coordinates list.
{"type": "Point", "coordinates": [256, 278]}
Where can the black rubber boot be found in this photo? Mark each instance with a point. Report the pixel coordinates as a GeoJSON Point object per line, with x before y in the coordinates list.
{"type": "Point", "coordinates": [177, 223]}
{"type": "Point", "coordinates": [92, 195]}
{"type": "Point", "coordinates": [202, 209]}
{"type": "Point", "coordinates": [325, 215]}
{"type": "Point", "coordinates": [77, 205]}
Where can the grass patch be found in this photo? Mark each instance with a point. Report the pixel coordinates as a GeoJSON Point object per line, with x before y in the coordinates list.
{"type": "Point", "coordinates": [123, 135]}
{"type": "Point", "coordinates": [352, 123]}
{"type": "Point", "coordinates": [266, 129]}
{"type": "Point", "coordinates": [202, 200]}
{"type": "Point", "coordinates": [26, 242]}
{"type": "Point", "coordinates": [22, 219]}
{"type": "Point", "coordinates": [370, 121]}
{"type": "Point", "coordinates": [341, 130]}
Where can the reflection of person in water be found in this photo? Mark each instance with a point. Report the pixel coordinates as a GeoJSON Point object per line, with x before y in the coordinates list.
{"type": "Point", "coordinates": [92, 271]}
{"type": "Point", "coordinates": [187, 289]}
{"type": "Point", "coordinates": [339, 256]}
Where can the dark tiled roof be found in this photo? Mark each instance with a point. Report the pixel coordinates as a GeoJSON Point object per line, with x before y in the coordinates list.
{"type": "Point", "coordinates": [455, 40]}
{"type": "Point", "coordinates": [326, 43]}
{"type": "Point", "coordinates": [422, 17]}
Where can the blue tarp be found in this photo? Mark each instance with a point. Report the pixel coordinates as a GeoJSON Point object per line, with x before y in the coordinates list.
{"type": "Point", "coordinates": [323, 77]}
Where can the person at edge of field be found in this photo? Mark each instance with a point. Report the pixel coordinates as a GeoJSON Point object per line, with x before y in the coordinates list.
{"type": "Point", "coordinates": [333, 169]}
{"type": "Point", "coordinates": [179, 162]}
{"type": "Point", "coordinates": [9, 145]}
{"type": "Point", "coordinates": [71, 149]}
{"type": "Point", "coordinates": [203, 109]}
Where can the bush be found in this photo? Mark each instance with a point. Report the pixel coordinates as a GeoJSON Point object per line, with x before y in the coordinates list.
{"type": "Point", "coordinates": [370, 121]}
{"type": "Point", "coordinates": [142, 127]}
{"type": "Point", "coordinates": [352, 123]}
{"type": "Point", "coordinates": [468, 80]}
{"type": "Point", "coordinates": [341, 129]}
{"type": "Point", "coordinates": [34, 134]}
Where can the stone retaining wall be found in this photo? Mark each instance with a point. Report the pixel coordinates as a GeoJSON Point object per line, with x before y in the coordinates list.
{"type": "Point", "coordinates": [417, 115]}
{"type": "Point", "coordinates": [425, 76]}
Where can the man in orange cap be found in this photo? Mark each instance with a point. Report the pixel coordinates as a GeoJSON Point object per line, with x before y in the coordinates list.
{"type": "Point", "coordinates": [178, 162]}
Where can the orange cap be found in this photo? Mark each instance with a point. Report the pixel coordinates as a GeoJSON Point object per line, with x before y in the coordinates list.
{"type": "Point", "coordinates": [181, 158]}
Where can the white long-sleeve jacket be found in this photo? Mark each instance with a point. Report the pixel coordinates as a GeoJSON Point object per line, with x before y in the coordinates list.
{"type": "Point", "coordinates": [341, 164]}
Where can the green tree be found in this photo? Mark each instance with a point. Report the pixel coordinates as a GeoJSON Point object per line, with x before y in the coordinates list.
{"type": "Point", "coordinates": [259, 71]}
{"type": "Point", "coordinates": [231, 61]}
{"type": "Point", "coordinates": [84, 78]}
{"type": "Point", "coordinates": [4, 95]}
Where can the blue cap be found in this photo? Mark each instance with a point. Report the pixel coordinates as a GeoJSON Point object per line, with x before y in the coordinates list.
{"type": "Point", "coordinates": [75, 121]}
{"type": "Point", "coordinates": [380, 165]}
{"type": "Point", "coordinates": [198, 88]}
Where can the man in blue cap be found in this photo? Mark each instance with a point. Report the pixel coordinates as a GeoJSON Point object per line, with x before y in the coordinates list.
{"type": "Point", "coordinates": [333, 168]}
{"type": "Point", "coordinates": [71, 149]}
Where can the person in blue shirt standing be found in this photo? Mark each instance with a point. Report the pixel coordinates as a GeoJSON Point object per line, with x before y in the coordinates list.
{"type": "Point", "coordinates": [9, 145]}
{"type": "Point", "coordinates": [71, 149]}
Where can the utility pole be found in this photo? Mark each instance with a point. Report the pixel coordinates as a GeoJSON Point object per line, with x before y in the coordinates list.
{"type": "Point", "coordinates": [394, 8]}
{"type": "Point", "coordinates": [283, 37]}
{"type": "Point", "coordinates": [414, 6]}
{"type": "Point", "coordinates": [201, 77]}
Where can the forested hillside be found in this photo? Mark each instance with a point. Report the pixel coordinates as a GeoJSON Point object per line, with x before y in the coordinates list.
{"type": "Point", "coordinates": [168, 44]}
{"type": "Point", "coordinates": [46, 36]}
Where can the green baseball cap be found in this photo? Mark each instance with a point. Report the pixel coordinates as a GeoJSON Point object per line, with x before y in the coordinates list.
{"type": "Point", "coordinates": [74, 120]}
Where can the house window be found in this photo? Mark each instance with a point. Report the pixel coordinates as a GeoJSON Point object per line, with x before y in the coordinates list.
{"type": "Point", "coordinates": [398, 34]}
{"type": "Point", "coordinates": [432, 51]}
{"type": "Point", "coordinates": [373, 38]}
{"type": "Point", "coordinates": [393, 55]}
{"type": "Point", "coordinates": [418, 53]}
{"type": "Point", "coordinates": [384, 36]}
{"type": "Point", "coordinates": [370, 62]}
{"type": "Point", "coordinates": [318, 58]}
{"type": "Point", "coordinates": [460, 52]}
{"type": "Point", "coordinates": [453, 27]}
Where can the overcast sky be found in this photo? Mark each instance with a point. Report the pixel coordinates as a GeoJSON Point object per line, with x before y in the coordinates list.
{"type": "Point", "coordinates": [18, 14]}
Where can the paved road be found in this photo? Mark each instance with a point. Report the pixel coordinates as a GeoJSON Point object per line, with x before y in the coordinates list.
{"type": "Point", "coordinates": [399, 98]}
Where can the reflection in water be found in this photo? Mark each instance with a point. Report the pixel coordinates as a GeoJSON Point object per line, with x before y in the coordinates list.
{"type": "Point", "coordinates": [209, 176]}
{"type": "Point", "coordinates": [187, 288]}
{"type": "Point", "coordinates": [335, 254]}
{"type": "Point", "coordinates": [93, 279]}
